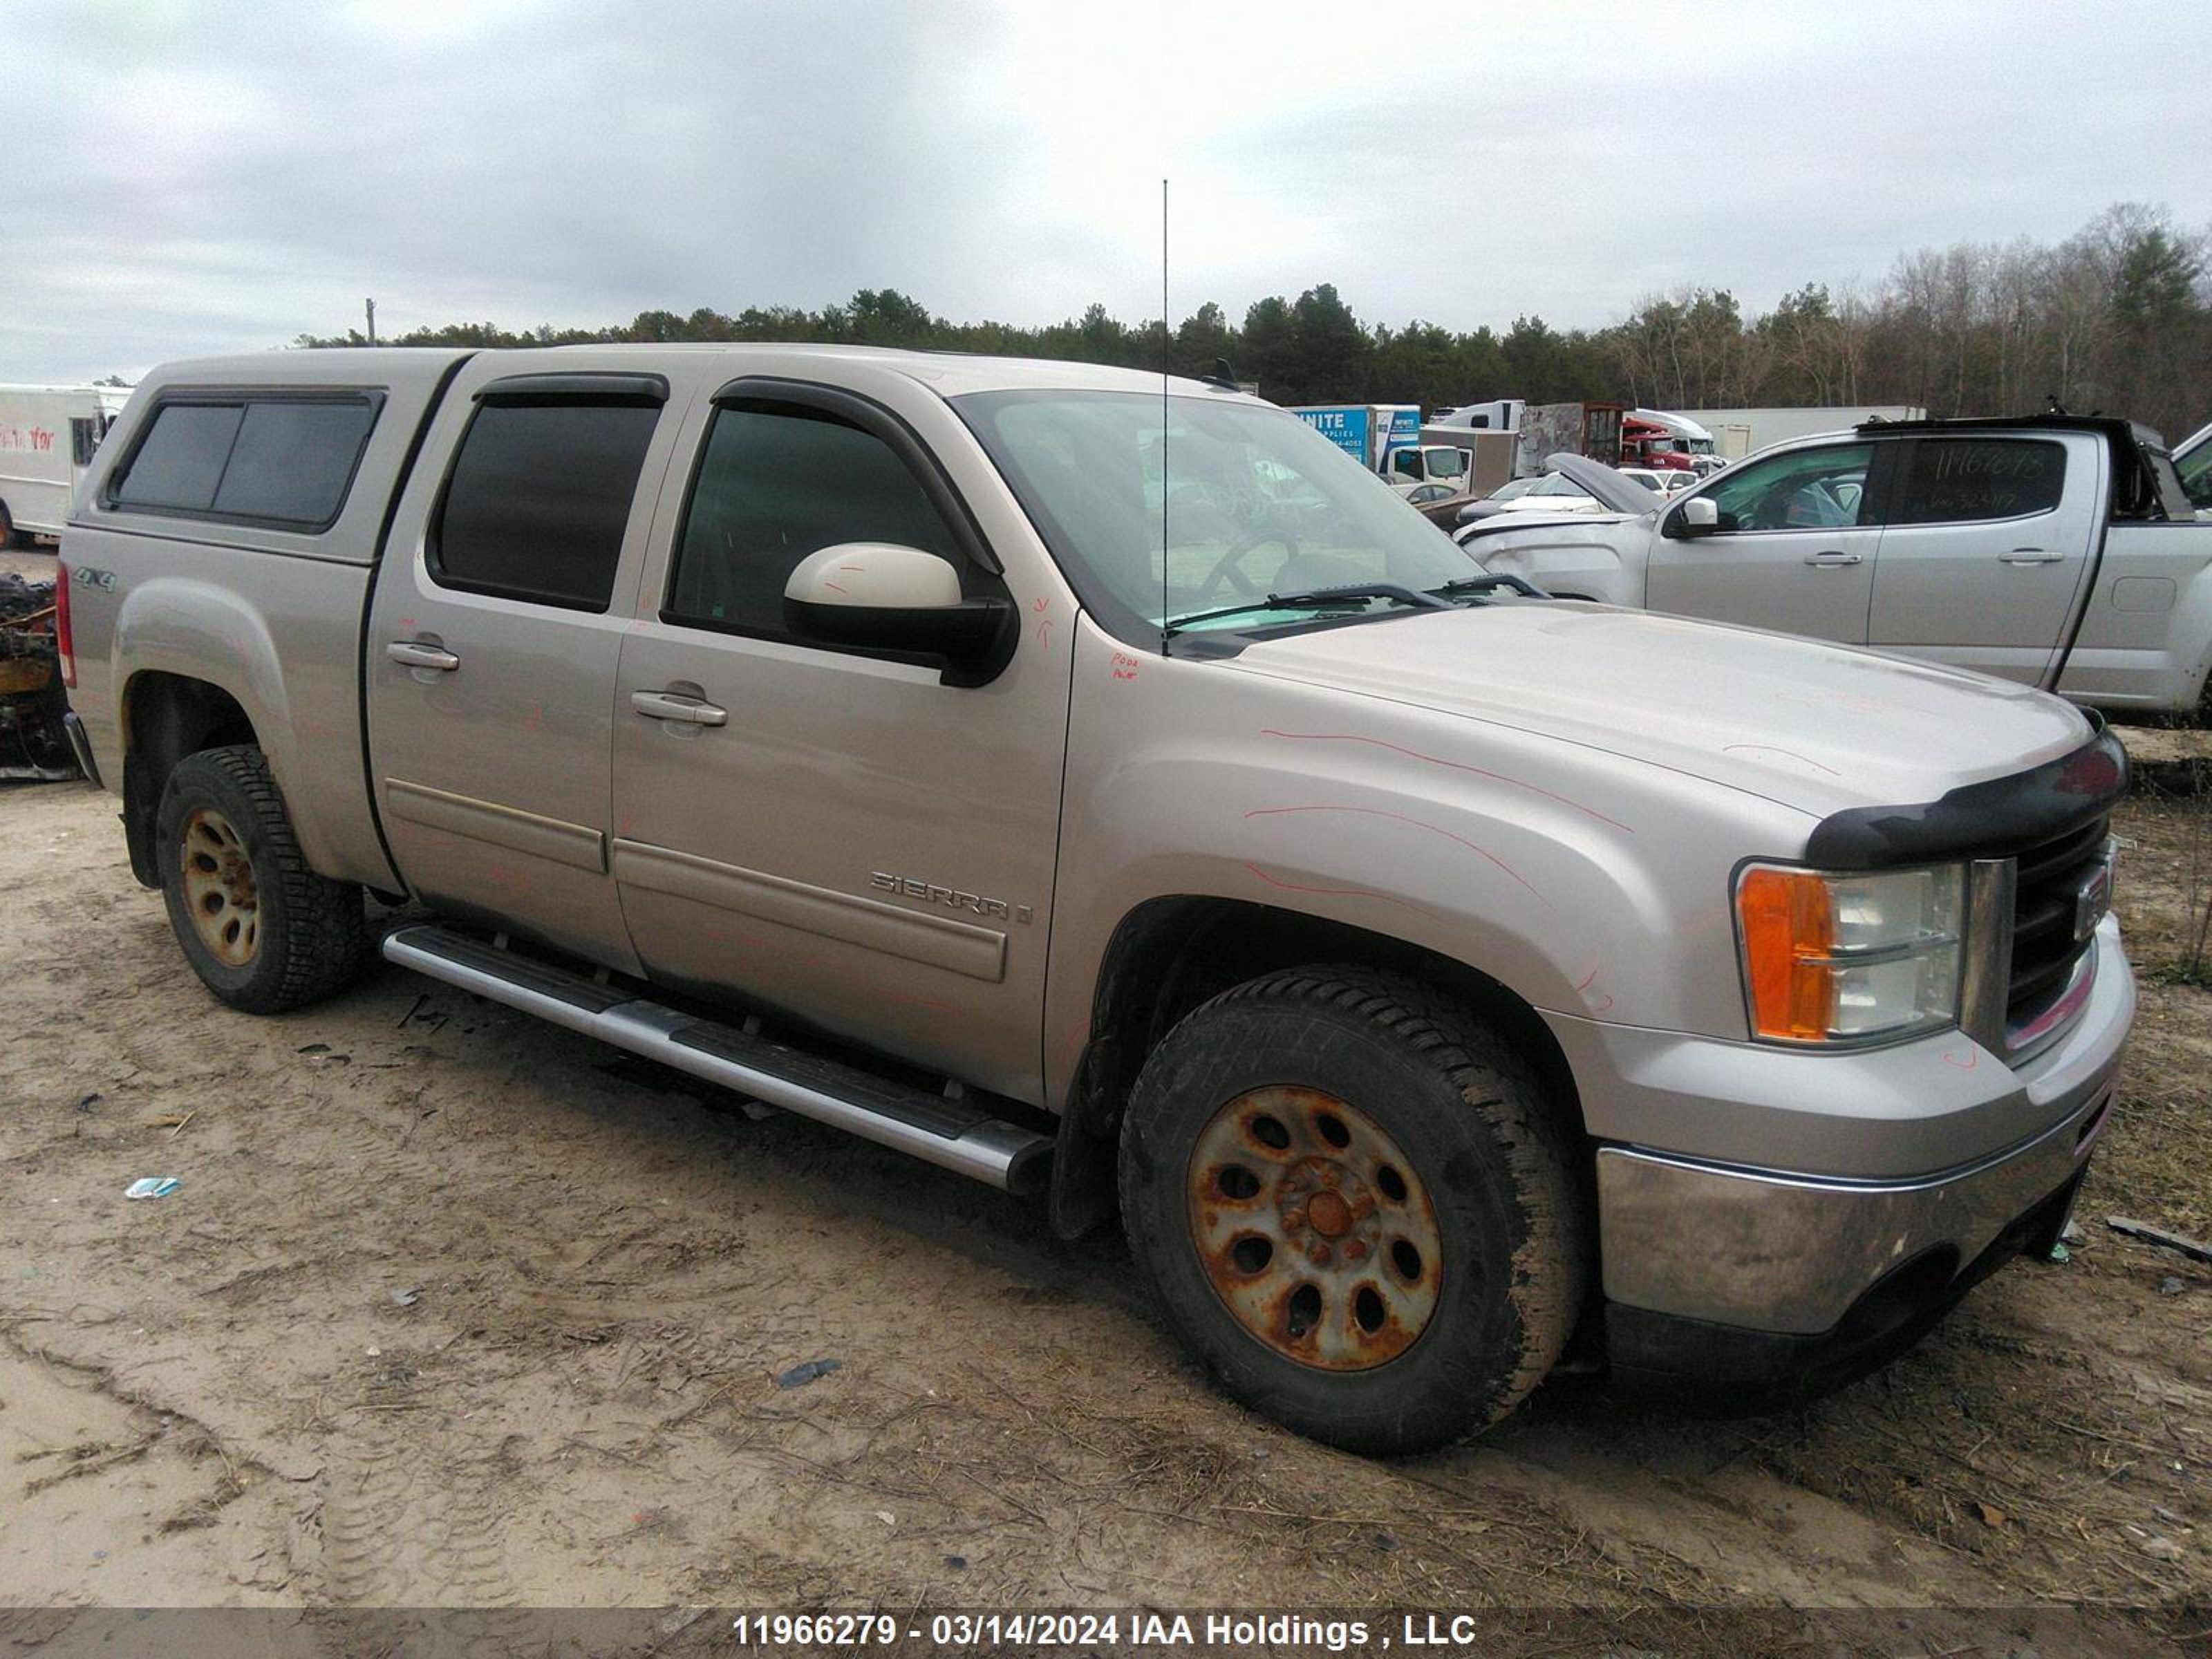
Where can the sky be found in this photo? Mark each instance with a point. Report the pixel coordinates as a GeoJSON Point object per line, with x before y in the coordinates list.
{"type": "Point", "coordinates": [186, 179]}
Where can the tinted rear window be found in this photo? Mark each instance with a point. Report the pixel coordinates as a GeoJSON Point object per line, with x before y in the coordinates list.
{"type": "Point", "coordinates": [292, 462]}
{"type": "Point", "coordinates": [180, 462]}
{"type": "Point", "coordinates": [539, 498]}
{"type": "Point", "coordinates": [258, 460]}
{"type": "Point", "coordinates": [1961, 480]}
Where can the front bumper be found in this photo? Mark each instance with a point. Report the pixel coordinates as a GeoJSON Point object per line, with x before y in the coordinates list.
{"type": "Point", "coordinates": [1722, 1269]}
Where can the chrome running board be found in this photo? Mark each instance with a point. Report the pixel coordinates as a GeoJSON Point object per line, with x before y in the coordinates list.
{"type": "Point", "coordinates": [948, 1132]}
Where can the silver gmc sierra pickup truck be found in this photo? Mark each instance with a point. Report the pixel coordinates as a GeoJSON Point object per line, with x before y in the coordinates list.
{"type": "Point", "coordinates": [1102, 785]}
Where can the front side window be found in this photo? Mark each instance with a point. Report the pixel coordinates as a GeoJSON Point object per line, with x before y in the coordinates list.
{"type": "Point", "coordinates": [84, 438]}
{"type": "Point", "coordinates": [1964, 480]}
{"type": "Point", "coordinates": [1820, 488]}
{"type": "Point", "coordinates": [275, 460]}
{"type": "Point", "coordinates": [776, 483]}
{"type": "Point", "coordinates": [539, 498]}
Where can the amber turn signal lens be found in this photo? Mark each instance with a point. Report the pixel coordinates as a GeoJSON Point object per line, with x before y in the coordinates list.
{"type": "Point", "coordinates": [1789, 937]}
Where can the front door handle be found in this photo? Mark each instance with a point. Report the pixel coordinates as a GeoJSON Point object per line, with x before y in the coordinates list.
{"type": "Point", "coordinates": [667, 706]}
{"type": "Point", "coordinates": [2029, 555]}
{"type": "Point", "coordinates": [1825, 559]}
{"type": "Point", "coordinates": [417, 656]}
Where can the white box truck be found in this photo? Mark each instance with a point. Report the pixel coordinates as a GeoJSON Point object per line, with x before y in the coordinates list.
{"type": "Point", "coordinates": [1387, 439]}
{"type": "Point", "coordinates": [47, 437]}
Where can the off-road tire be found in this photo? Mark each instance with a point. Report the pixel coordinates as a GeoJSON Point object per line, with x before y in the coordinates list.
{"type": "Point", "coordinates": [1498, 1160]}
{"type": "Point", "coordinates": [313, 937]}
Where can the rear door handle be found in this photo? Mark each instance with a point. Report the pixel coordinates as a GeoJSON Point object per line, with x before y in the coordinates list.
{"type": "Point", "coordinates": [1832, 558]}
{"type": "Point", "coordinates": [667, 706]}
{"type": "Point", "coordinates": [2030, 555]}
{"type": "Point", "coordinates": [422, 656]}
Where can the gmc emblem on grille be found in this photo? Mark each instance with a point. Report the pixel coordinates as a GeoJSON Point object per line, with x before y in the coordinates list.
{"type": "Point", "coordinates": [2093, 898]}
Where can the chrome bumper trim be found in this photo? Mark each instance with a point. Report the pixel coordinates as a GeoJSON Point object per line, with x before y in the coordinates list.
{"type": "Point", "coordinates": [1771, 1251]}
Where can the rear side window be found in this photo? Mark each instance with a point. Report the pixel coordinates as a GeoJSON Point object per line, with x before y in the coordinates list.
{"type": "Point", "coordinates": [1962, 480]}
{"type": "Point", "coordinates": [775, 485]}
{"type": "Point", "coordinates": [292, 462]}
{"type": "Point", "coordinates": [538, 499]}
{"type": "Point", "coordinates": [179, 462]}
{"type": "Point", "coordinates": [283, 461]}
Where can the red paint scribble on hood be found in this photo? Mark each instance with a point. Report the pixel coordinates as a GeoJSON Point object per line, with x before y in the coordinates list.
{"type": "Point", "coordinates": [1456, 766]}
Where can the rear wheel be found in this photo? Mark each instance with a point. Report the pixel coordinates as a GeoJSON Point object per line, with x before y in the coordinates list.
{"type": "Point", "coordinates": [6, 528]}
{"type": "Point", "coordinates": [1356, 1207]}
{"type": "Point", "coordinates": [263, 932]}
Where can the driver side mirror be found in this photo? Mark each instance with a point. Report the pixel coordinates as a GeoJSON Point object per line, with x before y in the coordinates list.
{"type": "Point", "coordinates": [878, 596]}
{"type": "Point", "coordinates": [1696, 517]}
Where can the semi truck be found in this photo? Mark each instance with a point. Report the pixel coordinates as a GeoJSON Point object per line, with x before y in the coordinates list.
{"type": "Point", "coordinates": [48, 435]}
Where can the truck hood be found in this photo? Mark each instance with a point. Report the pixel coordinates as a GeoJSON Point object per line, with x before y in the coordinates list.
{"type": "Point", "coordinates": [1813, 726]}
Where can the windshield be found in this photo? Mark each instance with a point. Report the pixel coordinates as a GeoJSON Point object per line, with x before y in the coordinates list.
{"type": "Point", "coordinates": [1255, 502]}
{"type": "Point", "coordinates": [2195, 466]}
{"type": "Point", "coordinates": [1447, 464]}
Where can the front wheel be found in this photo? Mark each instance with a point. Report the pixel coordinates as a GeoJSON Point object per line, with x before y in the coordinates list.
{"type": "Point", "coordinates": [1356, 1207]}
{"type": "Point", "coordinates": [263, 931]}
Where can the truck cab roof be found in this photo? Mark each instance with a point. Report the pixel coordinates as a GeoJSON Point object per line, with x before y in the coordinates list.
{"type": "Point", "coordinates": [949, 373]}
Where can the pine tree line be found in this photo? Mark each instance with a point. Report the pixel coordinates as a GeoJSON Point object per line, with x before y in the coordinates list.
{"type": "Point", "coordinates": [2117, 317]}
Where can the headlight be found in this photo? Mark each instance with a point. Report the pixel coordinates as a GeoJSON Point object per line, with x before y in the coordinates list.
{"type": "Point", "coordinates": [1849, 958]}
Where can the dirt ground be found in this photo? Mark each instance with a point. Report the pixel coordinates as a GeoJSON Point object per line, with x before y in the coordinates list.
{"type": "Point", "coordinates": [453, 1308]}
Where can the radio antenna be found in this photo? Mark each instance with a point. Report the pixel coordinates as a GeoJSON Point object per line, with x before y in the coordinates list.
{"type": "Point", "coordinates": [1165, 366]}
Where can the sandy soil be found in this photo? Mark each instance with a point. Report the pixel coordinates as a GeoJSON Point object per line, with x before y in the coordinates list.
{"type": "Point", "coordinates": [219, 1398]}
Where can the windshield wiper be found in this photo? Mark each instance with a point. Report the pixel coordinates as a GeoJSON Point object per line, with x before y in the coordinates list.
{"type": "Point", "coordinates": [1490, 583]}
{"type": "Point", "coordinates": [1318, 598]}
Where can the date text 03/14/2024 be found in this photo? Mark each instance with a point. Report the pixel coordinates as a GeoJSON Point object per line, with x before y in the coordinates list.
{"type": "Point", "coordinates": [961, 1630]}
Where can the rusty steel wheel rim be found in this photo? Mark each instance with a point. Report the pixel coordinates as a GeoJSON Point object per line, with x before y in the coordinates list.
{"type": "Point", "coordinates": [1314, 1229]}
{"type": "Point", "coordinates": [219, 892]}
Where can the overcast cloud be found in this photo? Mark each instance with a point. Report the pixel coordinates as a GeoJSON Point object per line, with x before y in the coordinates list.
{"type": "Point", "coordinates": [186, 178]}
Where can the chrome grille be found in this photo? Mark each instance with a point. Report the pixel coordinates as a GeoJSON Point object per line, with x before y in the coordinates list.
{"type": "Point", "coordinates": [2047, 893]}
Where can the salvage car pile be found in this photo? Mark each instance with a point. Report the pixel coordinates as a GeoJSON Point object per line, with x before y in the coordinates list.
{"type": "Point", "coordinates": [33, 742]}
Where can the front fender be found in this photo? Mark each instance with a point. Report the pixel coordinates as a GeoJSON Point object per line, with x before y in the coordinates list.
{"type": "Point", "coordinates": [1608, 562]}
{"type": "Point", "coordinates": [1585, 884]}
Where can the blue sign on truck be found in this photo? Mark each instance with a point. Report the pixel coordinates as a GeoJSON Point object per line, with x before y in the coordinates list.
{"type": "Point", "coordinates": [1345, 428]}
{"type": "Point", "coordinates": [1366, 432]}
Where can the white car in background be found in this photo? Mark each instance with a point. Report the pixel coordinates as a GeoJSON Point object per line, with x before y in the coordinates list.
{"type": "Point", "coordinates": [1553, 492]}
{"type": "Point", "coordinates": [1663, 481]}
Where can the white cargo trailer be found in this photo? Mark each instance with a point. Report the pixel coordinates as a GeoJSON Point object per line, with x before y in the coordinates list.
{"type": "Point", "coordinates": [47, 437]}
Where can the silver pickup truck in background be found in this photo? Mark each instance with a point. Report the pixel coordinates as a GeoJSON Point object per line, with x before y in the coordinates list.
{"type": "Point", "coordinates": [1107, 788]}
{"type": "Point", "coordinates": [2061, 552]}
